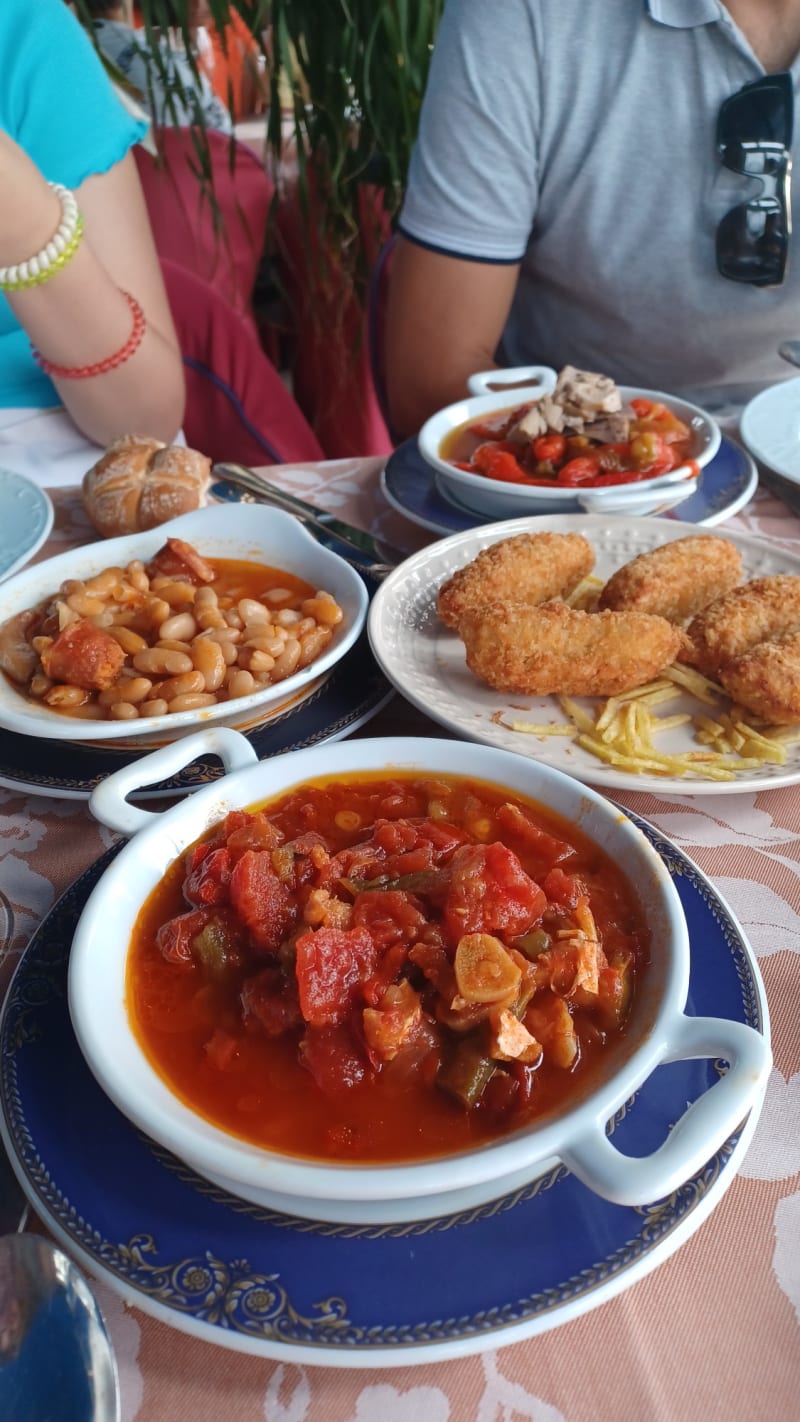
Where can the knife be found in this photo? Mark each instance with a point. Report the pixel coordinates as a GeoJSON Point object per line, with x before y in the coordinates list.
{"type": "Point", "coordinates": [372, 553]}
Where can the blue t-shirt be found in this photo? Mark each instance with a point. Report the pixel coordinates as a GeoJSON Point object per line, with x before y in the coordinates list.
{"type": "Point", "coordinates": [58, 103]}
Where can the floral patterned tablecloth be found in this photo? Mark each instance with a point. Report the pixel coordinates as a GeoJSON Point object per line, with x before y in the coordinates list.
{"type": "Point", "coordinates": [714, 1332]}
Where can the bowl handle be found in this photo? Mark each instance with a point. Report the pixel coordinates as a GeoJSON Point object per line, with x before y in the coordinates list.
{"type": "Point", "coordinates": [497, 381]}
{"type": "Point", "coordinates": [108, 801]}
{"type": "Point", "coordinates": [628, 500]}
{"type": "Point", "coordinates": [629, 1180]}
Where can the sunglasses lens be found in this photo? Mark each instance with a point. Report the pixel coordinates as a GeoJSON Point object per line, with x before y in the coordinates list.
{"type": "Point", "coordinates": [754, 138]}
{"type": "Point", "coordinates": [752, 243]}
{"type": "Point", "coordinates": [761, 113]}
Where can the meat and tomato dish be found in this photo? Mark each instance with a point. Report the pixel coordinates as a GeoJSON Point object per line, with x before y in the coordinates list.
{"type": "Point", "coordinates": [385, 969]}
{"type": "Point", "coordinates": [182, 633]}
{"type": "Point", "coordinates": [579, 436]}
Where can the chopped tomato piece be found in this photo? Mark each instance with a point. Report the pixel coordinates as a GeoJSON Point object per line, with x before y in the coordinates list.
{"type": "Point", "coordinates": [562, 888]}
{"type": "Point", "coordinates": [334, 1059]}
{"type": "Point", "coordinates": [550, 849]}
{"type": "Point", "coordinates": [255, 832]}
{"type": "Point", "coordinates": [389, 915]}
{"type": "Point", "coordinates": [233, 821]}
{"type": "Point", "coordinates": [263, 903]}
{"type": "Point", "coordinates": [331, 965]}
{"type": "Point", "coordinates": [641, 407]}
{"type": "Point", "coordinates": [270, 999]}
{"type": "Point", "coordinates": [208, 877]}
{"type": "Point", "coordinates": [490, 892]}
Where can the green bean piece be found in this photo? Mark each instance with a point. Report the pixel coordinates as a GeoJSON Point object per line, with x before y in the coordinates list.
{"type": "Point", "coordinates": [534, 943]}
{"type": "Point", "coordinates": [468, 1071]}
{"type": "Point", "coordinates": [424, 881]}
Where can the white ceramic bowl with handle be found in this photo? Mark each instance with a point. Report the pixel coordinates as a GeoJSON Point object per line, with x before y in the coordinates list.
{"type": "Point", "coordinates": [658, 1030]}
{"type": "Point", "coordinates": [496, 500]}
{"type": "Point", "coordinates": [254, 533]}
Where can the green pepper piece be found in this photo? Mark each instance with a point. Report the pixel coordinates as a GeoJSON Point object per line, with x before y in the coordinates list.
{"type": "Point", "coordinates": [210, 946]}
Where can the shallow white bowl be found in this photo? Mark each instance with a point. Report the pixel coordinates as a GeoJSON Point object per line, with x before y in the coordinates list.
{"type": "Point", "coordinates": [496, 500]}
{"type": "Point", "coordinates": [252, 532]}
{"type": "Point", "coordinates": [658, 1030]}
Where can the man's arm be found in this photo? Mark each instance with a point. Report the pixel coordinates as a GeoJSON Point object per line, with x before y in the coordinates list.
{"type": "Point", "coordinates": [444, 320]}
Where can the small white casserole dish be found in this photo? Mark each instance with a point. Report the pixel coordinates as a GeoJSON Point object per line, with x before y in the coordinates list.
{"type": "Point", "coordinates": [497, 500]}
{"type": "Point", "coordinates": [658, 1029]}
{"type": "Point", "coordinates": [244, 532]}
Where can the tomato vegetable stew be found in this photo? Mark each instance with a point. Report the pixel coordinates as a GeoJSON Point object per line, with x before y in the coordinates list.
{"type": "Point", "coordinates": [651, 442]}
{"type": "Point", "coordinates": [386, 969]}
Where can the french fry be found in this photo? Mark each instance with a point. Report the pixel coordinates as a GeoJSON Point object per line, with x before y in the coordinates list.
{"type": "Point", "coordinates": [700, 686]}
{"type": "Point", "coordinates": [607, 714]}
{"type": "Point", "coordinates": [638, 764]}
{"type": "Point", "coordinates": [576, 713]}
{"type": "Point", "coordinates": [668, 723]}
{"type": "Point", "coordinates": [612, 729]}
{"type": "Point", "coordinates": [584, 596]}
{"type": "Point", "coordinates": [750, 734]}
{"type": "Point", "coordinates": [657, 698]}
{"type": "Point", "coordinates": [786, 735]}
{"type": "Point", "coordinates": [531, 728]}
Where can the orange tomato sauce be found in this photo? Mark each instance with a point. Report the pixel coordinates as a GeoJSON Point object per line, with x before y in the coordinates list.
{"type": "Point", "coordinates": [657, 442]}
{"type": "Point", "coordinates": [188, 1017]}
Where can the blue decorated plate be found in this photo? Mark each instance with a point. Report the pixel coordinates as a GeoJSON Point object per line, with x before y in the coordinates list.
{"type": "Point", "coordinates": [346, 1295]}
{"type": "Point", "coordinates": [727, 483]}
{"type": "Point", "coordinates": [347, 698]}
{"type": "Point", "coordinates": [26, 518]}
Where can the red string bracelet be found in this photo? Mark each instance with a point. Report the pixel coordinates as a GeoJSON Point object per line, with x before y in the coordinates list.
{"type": "Point", "coordinates": [100, 367]}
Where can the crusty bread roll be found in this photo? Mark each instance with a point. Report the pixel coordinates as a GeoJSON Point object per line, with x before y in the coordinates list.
{"type": "Point", "coordinates": [139, 483]}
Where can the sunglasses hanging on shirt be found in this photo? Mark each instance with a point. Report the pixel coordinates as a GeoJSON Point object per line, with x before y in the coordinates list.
{"type": "Point", "coordinates": [754, 138]}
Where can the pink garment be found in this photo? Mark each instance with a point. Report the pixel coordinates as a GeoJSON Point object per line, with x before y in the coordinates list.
{"type": "Point", "coordinates": [237, 406]}
{"type": "Point", "coordinates": [330, 356]}
{"type": "Point", "coordinates": [226, 250]}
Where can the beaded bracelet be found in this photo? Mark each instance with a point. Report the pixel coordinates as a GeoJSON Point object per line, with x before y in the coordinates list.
{"type": "Point", "coordinates": [55, 254]}
{"type": "Point", "coordinates": [100, 367]}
